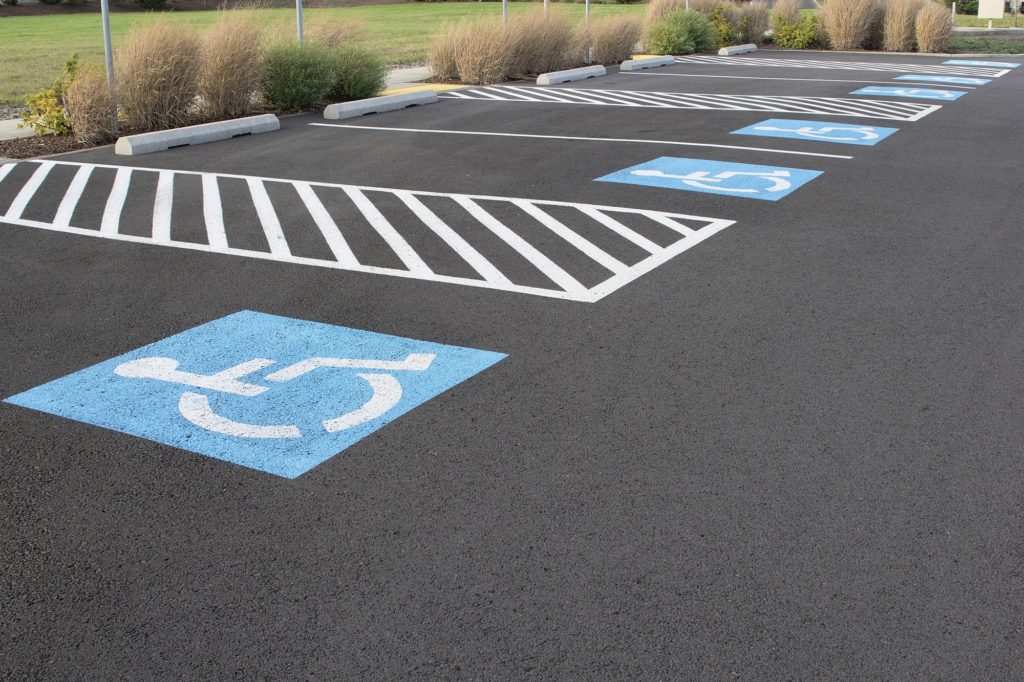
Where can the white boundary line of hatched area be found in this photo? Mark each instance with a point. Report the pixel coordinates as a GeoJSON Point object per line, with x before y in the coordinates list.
{"type": "Point", "coordinates": [832, 106]}
{"type": "Point", "coordinates": [945, 69]}
{"type": "Point", "coordinates": [570, 251]}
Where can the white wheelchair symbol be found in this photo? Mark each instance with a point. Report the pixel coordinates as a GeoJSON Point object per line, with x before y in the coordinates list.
{"type": "Point", "coordinates": [703, 179]}
{"type": "Point", "coordinates": [195, 407]}
{"type": "Point", "coordinates": [823, 133]}
{"type": "Point", "coordinates": [934, 94]}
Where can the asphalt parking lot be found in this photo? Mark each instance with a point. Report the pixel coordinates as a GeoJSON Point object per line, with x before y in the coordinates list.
{"type": "Point", "coordinates": [567, 382]}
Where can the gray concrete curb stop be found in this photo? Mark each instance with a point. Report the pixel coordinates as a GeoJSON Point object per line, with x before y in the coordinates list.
{"type": "Point", "coordinates": [571, 75]}
{"type": "Point", "coordinates": [737, 49]}
{"type": "Point", "coordinates": [145, 143]}
{"type": "Point", "coordinates": [646, 63]}
{"type": "Point", "coordinates": [376, 105]}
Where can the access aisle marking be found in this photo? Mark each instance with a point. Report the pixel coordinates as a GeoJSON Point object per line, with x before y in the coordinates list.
{"type": "Point", "coordinates": [953, 68]}
{"type": "Point", "coordinates": [469, 226]}
{"type": "Point", "coordinates": [975, 62]}
{"type": "Point", "coordinates": [270, 393]}
{"type": "Point", "coordinates": [818, 131]}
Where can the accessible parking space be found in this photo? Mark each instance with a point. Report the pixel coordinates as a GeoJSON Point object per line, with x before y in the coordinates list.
{"type": "Point", "coordinates": [699, 371]}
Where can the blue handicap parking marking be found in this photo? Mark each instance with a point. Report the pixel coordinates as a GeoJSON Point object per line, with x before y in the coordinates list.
{"type": "Point", "coordinates": [821, 131]}
{"type": "Point", "coordinates": [954, 80]}
{"type": "Point", "coordinates": [916, 93]}
{"type": "Point", "coordinates": [267, 392]}
{"type": "Point", "coordinates": [974, 62]}
{"type": "Point", "coordinates": [769, 183]}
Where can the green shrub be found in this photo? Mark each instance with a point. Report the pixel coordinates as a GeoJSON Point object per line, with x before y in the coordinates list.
{"type": "Point", "coordinates": [798, 35]}
{"type": "Point", "coordinates": [298, 76]}
{"type": "Point", "coordinates": [151, 4]}
{"type": "Point", "coordinates": [963, 6]}
{"type": "Point", "coordinates": [681, 32]}
{"type": "Point", "coordinates": [46, 114]}
{"type": "Point", "coordinates": [51, 2]}
{"type": "Point", "coordinates": [358, 73]}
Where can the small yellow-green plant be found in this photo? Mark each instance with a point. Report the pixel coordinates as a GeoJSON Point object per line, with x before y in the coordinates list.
{"type": "Point", "coordinates": [46, 114]}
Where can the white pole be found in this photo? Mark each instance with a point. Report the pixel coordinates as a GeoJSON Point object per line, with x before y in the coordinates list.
{"type": "Point", "coordinates": [108, 55]}
{"type": "Point", "coordinates": [687, 5]}
{"type": "Point", "coordinates": [298, 18]}
{"type": "Point", "coordinates": [504, 13]}
{"type": "Point", "coordinates": [586, 12]}
{"type": "Point", "coordinates": [546, 7]}
{"type": "Point", "coordinates": [952, 9]}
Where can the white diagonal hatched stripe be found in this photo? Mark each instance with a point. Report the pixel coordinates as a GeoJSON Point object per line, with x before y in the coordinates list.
{"type": "Point", "coordinates": [480, 218]}
{"type": "Point", "coordinates": [20, 202]}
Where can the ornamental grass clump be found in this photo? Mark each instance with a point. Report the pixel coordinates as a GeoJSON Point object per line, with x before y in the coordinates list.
{"type": "Point", "coordinates": [87, 99]}
{"type": "Point", "coordinates": [613, 39]}
{"type": "Point", "coordinates": [231, 66]}
{"type": "Point", "coordinates": [848, 23]}
{"type": "Point", "coordinates": [898, 31]}
{"type": "Point", "coordinates": [933, 26]}
{"type": "Point", "coordinates": [157, 69]}
{"type": "Point", "coordinates": [486, 53]}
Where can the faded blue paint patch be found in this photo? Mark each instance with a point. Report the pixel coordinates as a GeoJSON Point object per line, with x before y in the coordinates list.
{"type": "Point", "coordinates": [769, 183]}
{"type": "Point", "coordinates": [955, 80]}
{"type": "Point", "coordinates": [974, 62]}
{"type": "Point", "coordinates": [913, 93]}
{"type": "Point", "coordinates": [284, 407]}
{"type": "Point", "coordinates": [819, 131]}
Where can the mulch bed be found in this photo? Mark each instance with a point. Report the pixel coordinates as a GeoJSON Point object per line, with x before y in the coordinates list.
{"type": "Point", "coordinates": [28, 147]}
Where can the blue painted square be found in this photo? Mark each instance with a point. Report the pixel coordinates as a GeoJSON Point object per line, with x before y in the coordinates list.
{"type": "Point", "coordinates": [974, 62]}
{"type": "Point", "coordinates": [955, 80]}
{"type": "Point", "coordinates": [769, 183]}
{"type": "Point", "coordinates": [271, 393]}
{"type": "Point", "coordinates": [913, 93]}
{"type": "Point", "coordinates": [819, 131]}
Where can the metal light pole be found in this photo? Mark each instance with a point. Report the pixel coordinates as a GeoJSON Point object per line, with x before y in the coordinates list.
{"type": "Point", "coordinates": [108, 54]}
{"type": "Point", "coordinates": [298, 18]}
{"type": "Point", "coordinates": [504, 13]}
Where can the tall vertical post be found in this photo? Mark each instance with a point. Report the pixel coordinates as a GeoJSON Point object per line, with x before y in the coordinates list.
{"type": "Point", "coordinates": [586, 12]}
{"type": "Point", "coordinates": [108, 55]}
{"type": "Point", "coordinates": [504, 13]}
{"type": "Point", "coordinates": [546, 3]}
{"type": "Point", "coordinates": [298, 18]}
{"type": "Point", "coordinates": [952, 10]}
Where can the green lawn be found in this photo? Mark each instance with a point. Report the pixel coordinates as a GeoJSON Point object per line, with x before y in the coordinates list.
{"type": "Point", "coordinates": [34, 47]}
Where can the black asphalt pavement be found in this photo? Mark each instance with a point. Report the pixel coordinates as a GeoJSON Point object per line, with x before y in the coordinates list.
{"type": "Point", "coordinates": [792, 451]}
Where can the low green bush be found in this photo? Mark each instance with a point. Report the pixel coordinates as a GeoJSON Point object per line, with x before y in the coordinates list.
{"type": "Point", "coordinates": [299, 76]}
{"type": "Point", "coordinates": [730, 27]}
{"type": "Point", "coordinates": [358, 73]}
{"type": "Point", "coordinates": [964, 6]}
{"type": "Point", "coordinates": [681, 32]}
{"type": "Point", "coordinates": [45, 112]}
{"type": "Point", "coordinates": [797, 35]}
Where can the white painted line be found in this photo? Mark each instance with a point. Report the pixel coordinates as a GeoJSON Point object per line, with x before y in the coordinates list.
{"type": "Point", "coordinates": [771, 78]}
{"type": "Point", "coordinates": [581, 139]}
{"type": "Point", "coordinates": [332, 235]}
{"type": "Point", "coordinates": [386, 230]}
{"type": "Point", "coordinates": [20, 202]}
{"type": "Point", "coordinates": [213, 213]}
{"type": "Point", "coordinates": [5, 169]}
{"type": "Point", "coordinates": [551, 270]}
{"type": "Point", "coordinates": [72, 196]}
{"type": "Point", "coordinates": [671, 224]}
{"type": "Point", "coordinates": [593, 252]}
{"type": "Point", "coordinates": [115, 202]}
{"type": "Point", "coordinates": [268, 218]}
{"type": "Point", "coordinates": [162, 207]}
{"type": "Point", "coordinates": [621, 230]}
{"type": "Point", "coordinates": [475, 259]}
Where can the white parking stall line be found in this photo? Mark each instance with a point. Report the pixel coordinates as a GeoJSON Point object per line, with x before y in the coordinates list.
{"type": "Point", "coordinates": [844, 66]}
{"type": "Point", "coordinates": [115, 202]}
{"type": "Point", "coordinates": [577, 138]}
{"type": "Point", "coordinates": [20, 202]}
{"type": "Point", "coordinates": [5, 169]}
{"type": "Point", "coordinates": [836, 106]}
{"type": "Point", "coordinates": [775, 78]}
{"type": "Point", "coordinates": [461, 221]}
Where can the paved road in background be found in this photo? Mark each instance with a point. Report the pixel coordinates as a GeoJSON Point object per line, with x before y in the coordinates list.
{"type": "Point", "coordinates": [726, 405]}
